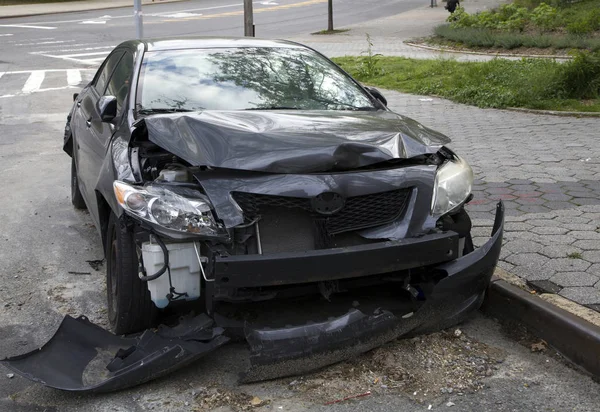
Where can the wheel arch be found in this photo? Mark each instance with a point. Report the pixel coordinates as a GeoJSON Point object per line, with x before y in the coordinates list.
{"type": "Point", "coordinates": [104, 211]}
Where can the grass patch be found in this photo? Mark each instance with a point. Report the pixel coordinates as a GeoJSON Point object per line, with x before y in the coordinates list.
{"type": "Point", "coordinates": [23, 2]}
{"type": "Point", "coordinates": [575, 255]}
{"type": "Point", "coordinates": [529, 83]}
{"type": "Point", "coordinates": [335, 31]}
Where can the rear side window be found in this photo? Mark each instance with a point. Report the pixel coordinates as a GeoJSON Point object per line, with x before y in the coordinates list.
{"type": "Point", "coordinates": [120, 81]}
{"type": "Point", "coordinates": [106, 71]}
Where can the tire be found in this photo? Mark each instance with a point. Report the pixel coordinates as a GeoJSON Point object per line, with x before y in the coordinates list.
{"type": "Point", "coordinates": [130, 308]}
{"type": "Point", "coordinates": [76, 197]}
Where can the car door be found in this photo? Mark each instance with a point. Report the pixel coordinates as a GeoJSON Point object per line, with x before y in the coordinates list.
{"type": "Point", "coordinates": [93, 135]}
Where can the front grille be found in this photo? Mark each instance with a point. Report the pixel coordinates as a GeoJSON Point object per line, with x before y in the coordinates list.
{"type": "Point", "coordinates": [359, 212]}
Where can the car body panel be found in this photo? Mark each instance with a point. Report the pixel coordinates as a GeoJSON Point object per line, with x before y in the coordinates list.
{"type": "Point", "coordinates": [291, 141]}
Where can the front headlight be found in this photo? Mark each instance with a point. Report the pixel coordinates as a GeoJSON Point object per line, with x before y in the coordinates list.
{"type": "Point", "coordinates": [162, 207]}
{"type": "Point", "coordinates": [453, 184]}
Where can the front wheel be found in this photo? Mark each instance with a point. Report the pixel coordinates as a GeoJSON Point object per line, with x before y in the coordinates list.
{"type": "Point", "coordinates": [130, 308]}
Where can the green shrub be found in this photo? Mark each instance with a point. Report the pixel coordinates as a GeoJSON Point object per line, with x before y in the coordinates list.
{"type": "Point", "coordinates": [540, 42]}
{"type": "Point", "coordinates": [579, 27]}
{"type": "Point", "coordinates": [545, 17]}
{"type": "Point", "coordinates": [580, 77]}
{"type": "Point", "coordinates": [469, 36]}
{"type": "Point", "coordinates": [508, 41]}
{"type": "Point", "coordinates": [460, 18]}
{"type": "Point", "coordinates": [487, 19]}
{"type": "Point", "coordinates": [531, 4]}
{"type": "Point", "coordinates": [517, 21]}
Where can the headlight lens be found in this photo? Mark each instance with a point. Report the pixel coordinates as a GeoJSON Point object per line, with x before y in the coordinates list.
{"type": "Point", "coordinates": [453, 184]}
{"type": "Point", "coordinates": [162, 207]}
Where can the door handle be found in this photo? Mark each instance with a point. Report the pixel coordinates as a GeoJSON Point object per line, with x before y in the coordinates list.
{"type": "Point", "coordinates": [88, 122]}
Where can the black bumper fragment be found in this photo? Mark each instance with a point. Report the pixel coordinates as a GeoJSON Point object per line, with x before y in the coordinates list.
{"type": "Point", "coordinates": [84, 357]}
{"type": "Point", "coordinates": [341, 263]}
{"type": "Point", "coordinates": [298, 349]}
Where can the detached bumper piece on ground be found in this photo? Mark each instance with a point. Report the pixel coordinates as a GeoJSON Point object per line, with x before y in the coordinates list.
{"type": "Point", "coordinates": [84, 357]}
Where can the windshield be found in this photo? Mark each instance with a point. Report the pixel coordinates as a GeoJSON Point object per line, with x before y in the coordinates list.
{"type": "Point", "coordinates": [245, 79]}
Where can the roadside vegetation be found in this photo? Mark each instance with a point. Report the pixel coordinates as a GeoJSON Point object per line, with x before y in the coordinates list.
{"type": "Point", "coordinates": [499, 83]}
{"type": "Point", "coordinates": [553, 25]}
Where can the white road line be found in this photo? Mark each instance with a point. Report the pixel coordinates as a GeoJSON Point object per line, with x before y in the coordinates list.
{"type": "Point", "coordinates": [73, 77]}
{"type": "Point", "coordinates": [82, 54]}
{"type": "Point", "coordinates": [81, 61]}
{"type": "Point", "coordinates": [27, 26]}
{"type": "Point", "coordinates": [72, 50]}
{"type": "Point", "coordinates": [1, 74]}
{"type": "Point", "coordinates": [42, 71]}
{"type": "Point", "coordinates": [34, 82]}
{"type": "Point", "coordinates": [55, 46]}
{"type": "Point", "coordinates": [43, 42]}
{"type": "Point", "coordinates": [5, 35]}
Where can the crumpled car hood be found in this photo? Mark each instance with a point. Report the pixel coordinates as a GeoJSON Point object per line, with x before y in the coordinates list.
{"type": "Point", "coordinates": [291, 141]}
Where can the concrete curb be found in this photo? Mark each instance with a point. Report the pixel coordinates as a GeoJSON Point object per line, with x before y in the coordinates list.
{"type": "Point", "coordinates": [554, 112]}
{"type": "Point", "coordinates": [533, 56]}
{"type": "Point", "coordinates": [105, 6]}
{"type": "Point", "coordinates": [575, 338]}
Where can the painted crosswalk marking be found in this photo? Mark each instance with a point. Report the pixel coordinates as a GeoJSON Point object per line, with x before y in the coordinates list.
{"type": "Point", "coordinates": [38, 81]}
{"type": "Point", "coordinates": [90, 58]}
{"type": "Point", "coordinates": [73, 77]}
{"type": "Point", "coordinates": [34, 82]}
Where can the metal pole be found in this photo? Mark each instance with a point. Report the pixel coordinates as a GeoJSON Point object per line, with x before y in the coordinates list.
{"type": "Point", "coordinates": [139, 20]}
{"type": "Point", "coordinates": [330, 15]}
{"type": "Point", "coordinates": [248, 19]}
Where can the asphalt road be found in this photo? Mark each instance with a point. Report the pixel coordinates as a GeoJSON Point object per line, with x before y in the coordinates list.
{"type": "Point", "coordinates": [45, 244]}
{"type": "Point", "coordinates": [84, 38]}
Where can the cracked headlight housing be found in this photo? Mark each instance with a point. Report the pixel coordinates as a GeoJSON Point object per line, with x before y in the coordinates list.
{"type": "Point", "coordinates": [166, 209]}
{"type": "Point", "coordinates": [453, 184]}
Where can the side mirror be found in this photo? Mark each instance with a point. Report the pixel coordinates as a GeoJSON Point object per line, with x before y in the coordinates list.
{"type": "Point", "coordinates": [107, 107]}
{"type": "Point", "coordinates": [377, 94]}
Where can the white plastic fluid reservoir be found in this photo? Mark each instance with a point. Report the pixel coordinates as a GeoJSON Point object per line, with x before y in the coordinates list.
{"type": "Point", "coordinates": [185, 271]}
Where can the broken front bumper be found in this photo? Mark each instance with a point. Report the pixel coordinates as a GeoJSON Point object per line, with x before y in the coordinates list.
{"type": "Point", "coordinates": [295, 350]}
{"type": "Point", "coordinates": [83, 357]}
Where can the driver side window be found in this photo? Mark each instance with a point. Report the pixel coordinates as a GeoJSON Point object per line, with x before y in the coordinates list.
{"type": "Point", "coordinates": [120, 80]}
{"type": "Point", "coordinates": [106, 71]}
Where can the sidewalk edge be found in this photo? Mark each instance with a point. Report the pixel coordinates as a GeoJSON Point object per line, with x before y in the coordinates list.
{"type": "Point", "coordinates": [78, 10]}
{"type": "Point", "coordinates": [532, 56]}
{"type": "Point", "coordinates": [575, 338]}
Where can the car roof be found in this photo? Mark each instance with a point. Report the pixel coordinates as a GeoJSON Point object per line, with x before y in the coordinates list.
{"type": "Point", "coordinates": [179, 43]}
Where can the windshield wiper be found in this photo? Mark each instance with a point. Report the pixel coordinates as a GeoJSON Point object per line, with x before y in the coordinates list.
{"type": "Point", "coordinates": [362, 108]}
{"type": "Point", "coordinates": [273, 108]}
{"type": "Point", "coordinates": [156, 110]}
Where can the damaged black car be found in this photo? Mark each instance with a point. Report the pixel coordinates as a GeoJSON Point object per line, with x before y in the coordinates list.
{"type": "Point", "coordinates": [258, 184]}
